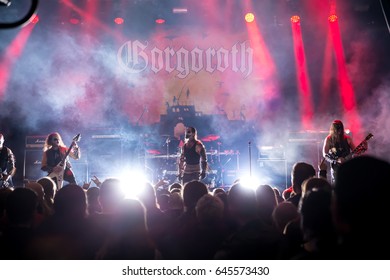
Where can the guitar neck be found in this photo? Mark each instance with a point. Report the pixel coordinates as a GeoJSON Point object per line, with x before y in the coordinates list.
{"type": "Point", "coordinates": [62, 162]}
{"type": "Point", "coordinates": [359, 148]}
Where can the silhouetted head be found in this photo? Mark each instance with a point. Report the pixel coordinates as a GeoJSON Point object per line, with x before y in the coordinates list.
{"type": "Point", "coordinates": [300, 172]}
{"type": "Point", "coordinates": [70, 201]}
{"type": "Point", "coordinates": [362, 191]}
{"type": "Point", "coordinates": [21, 205]}
{"type": "Point", "coordinates": [192, 192]}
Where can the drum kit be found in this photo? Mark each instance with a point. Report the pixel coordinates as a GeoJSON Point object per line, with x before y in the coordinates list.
{"type": "Point", "coordinates": [210, 138]}
{"type": "Point", "coordinates": [163, 158]}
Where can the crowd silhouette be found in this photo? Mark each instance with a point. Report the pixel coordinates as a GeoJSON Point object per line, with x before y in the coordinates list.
{"type": "Point", "coordinates": [315, 220]}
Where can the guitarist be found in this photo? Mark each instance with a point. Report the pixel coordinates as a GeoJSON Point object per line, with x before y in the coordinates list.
{"type": "Point", "coordinates": [337, 146]}
{"type": "Point", "coordinates": [7, 165]}
{"type": "Point", "coordinates": [54, 151]}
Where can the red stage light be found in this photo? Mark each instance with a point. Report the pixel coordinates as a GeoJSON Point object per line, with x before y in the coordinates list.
{"type": "Point", "coordinates": [35, 19]}
{"type": "Point", "coordinates": [332, 18]}
{"type": "Point", "coordinates": [249, 17]}
{"type": "Point", "coordinates": [119, 20]}
{"type": "Point", "coordinates": [74, 21]}
{"type": "Point", "coordinates": [160, 21]}
{"type": "Point", "coordinates": [295, 19]}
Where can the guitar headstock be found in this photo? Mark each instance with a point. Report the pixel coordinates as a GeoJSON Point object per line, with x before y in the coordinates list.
{"type": "Point", "coordinates": [362, 147]}
{"type": "Point", "coordinates": [77, 138]}
{"type": "Point", "coordinates": [369, 136]}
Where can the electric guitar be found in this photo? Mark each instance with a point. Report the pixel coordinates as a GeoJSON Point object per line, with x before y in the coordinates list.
{"type": "Point", "coordinates": [3, 183]}
{"type": "Point", "coordinates": [360, 149]}
{"type": "Point", "coordinates": [59, 176]}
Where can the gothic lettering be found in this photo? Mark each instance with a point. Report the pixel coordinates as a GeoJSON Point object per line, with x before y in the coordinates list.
{"type": "Point", "coordinates": [134, 57]}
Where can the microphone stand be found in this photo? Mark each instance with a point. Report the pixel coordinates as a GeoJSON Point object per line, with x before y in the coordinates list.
{"type": "Point", "coordinates": [140, 117]}
{"type": "Point", "coordinates": [167, 141]}
{"type": "Point", "coordinates": [250, 158]}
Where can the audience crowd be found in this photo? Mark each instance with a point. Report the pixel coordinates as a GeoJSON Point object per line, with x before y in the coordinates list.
{"type": "Point", "coordinates": [314, 219]}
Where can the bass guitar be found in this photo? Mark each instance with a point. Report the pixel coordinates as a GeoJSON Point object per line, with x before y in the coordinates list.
{"type": "Point", "coordinates": [360, 149]}
{"type": "Point", "coordinates": [59, 176]}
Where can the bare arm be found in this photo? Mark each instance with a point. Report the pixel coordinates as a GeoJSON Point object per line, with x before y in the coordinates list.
{"type": "Point", "coordinates": [326, 147]}
{"type": "Point", "coordinates": [201, 150]}
{"type": "Point", "coordinates": [181, 162]}
{"type": "Point", "coordinates": [11, 163]}
{"type": "Point", "coordinates": [325, 152]}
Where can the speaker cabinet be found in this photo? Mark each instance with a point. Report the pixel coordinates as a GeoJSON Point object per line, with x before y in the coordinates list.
{"type": "Point", "coordinates": [32, 165]}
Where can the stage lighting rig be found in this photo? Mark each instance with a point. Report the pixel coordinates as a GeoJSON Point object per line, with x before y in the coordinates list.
{"type": "Point", "coordinates": [22, 21]}
{"type": "Point", "coordinates": [5, 3]}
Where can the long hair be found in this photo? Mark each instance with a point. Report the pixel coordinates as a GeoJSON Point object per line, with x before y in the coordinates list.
{"type": "Point", "coordinates": [49, 140]}
{"type": "Point", "coordinates": [335, 127]}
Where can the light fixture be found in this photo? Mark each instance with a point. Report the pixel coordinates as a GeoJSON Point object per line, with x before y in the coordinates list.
{"type": "Point", "coordinates": [179, 10]}
{"type": "Point", "coordinates": [332, 18]}
{"type": "Point", "coordinates": [249, 17]}
{"type": "Point", "coordinates": [295, 19]}
{"type": "Point", "coordinates": [160, 21]}
{"type": "Point", "coordinates": [5, 3]}
{"type": "Point", "coordinates": [24, 20]}
{"type": "Point", "coordinates": [35, 19]}
{"type": "Point", "coordinates": [119, 20]}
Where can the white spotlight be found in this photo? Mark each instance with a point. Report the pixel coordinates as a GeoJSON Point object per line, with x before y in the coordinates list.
{"type": "Point", "coordinates": [179, 10]}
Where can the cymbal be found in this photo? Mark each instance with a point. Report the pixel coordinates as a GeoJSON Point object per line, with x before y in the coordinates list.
{"type": "Point", "coordinates": [166, 156]}
{"type": "Point", "coordinates": [153, 152]}
{"type": "Point", "coordinates": [210, 138]}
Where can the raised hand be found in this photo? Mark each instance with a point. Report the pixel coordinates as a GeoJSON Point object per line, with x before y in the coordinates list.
{"type": "Point", "coordinates": [96, 181]}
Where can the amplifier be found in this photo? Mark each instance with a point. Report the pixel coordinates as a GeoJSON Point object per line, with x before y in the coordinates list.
{"type": "Point", "coordinates": [35, 141]}
{"type": "Point", "coordinates": [271, 153]}
{"type": "Point", "coordinates": [32, 165]}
